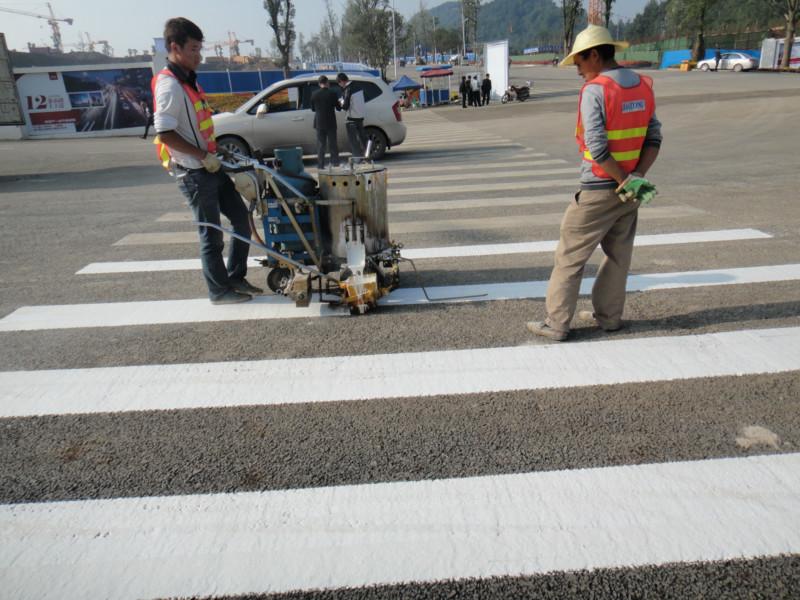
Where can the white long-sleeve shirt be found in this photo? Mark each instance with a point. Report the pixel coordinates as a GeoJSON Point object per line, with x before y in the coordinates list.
{"type": "Point", "coordinates": [174, 112]}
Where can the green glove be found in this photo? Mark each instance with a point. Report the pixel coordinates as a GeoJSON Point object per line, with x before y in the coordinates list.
{"type": "Point", "coordinates": [646, 194]}
{"type": "Point", "coordinates": [636, 187]}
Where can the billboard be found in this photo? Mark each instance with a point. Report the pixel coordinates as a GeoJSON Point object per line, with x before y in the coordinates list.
{"type": "Point", "coordinates": [10, 113]}
{"type": "Point", "coordinates": [87, 102]}
{"type": "Point", "coordinates": [497, 66]}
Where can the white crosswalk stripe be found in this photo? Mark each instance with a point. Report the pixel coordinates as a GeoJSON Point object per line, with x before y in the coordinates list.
{"type": "Point", "coordinates": [118, 314]}
{"type": "Point", "coordinates": [420, 374]}
{"type": "Point", "coordinates": [694, 237]}
{"type": "Point", "coordinates": [396, 532]}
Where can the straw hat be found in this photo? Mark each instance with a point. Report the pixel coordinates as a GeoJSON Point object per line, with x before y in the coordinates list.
{"type": "Point", "coordinates": [591, 37]}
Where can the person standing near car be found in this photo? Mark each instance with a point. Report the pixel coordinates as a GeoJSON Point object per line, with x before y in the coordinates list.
{"type": "Point", "coordinates": [717, 58]}
{"type": "Point", "coordinates": [619, 138]}
{"type": "Point", "coordinates": [325, 103]}
{"type": "Point", "coordinates": [352, 101]}
{"type": "Point", "coordinates": [464, 90]}
{"type": "Point", "coordinates": [187, 147]}
{"type": "Point", "coordinates": [486, 90]}
{"type": "Point", "coordinates": [476, 91]}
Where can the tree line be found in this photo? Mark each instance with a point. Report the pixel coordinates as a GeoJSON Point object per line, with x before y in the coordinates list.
{"type": "Point", "coordinates": [367, 28]}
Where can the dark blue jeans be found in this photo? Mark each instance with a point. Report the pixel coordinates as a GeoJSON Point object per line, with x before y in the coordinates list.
{"type": "Point", "coordinates": [208, 195]}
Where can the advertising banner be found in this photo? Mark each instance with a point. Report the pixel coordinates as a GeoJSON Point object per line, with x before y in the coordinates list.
{"type": "Point", "coordinates": [87, 102]}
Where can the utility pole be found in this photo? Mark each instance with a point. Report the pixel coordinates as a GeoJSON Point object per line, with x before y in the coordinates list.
{"type": "Point", "coordinates": [463, 34]}
{"type": "Point", "coordinates": [394, 42]}
{"type": "Point", "coordinates": [434, 40]}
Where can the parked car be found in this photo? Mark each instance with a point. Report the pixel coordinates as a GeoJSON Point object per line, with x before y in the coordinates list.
{"type": "Point", "coordinates": [736, 61]}
{"type": "Point", "coordinates": [281, 116]}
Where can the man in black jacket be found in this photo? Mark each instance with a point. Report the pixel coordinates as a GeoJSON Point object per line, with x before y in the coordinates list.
{"type": "Point", "coordinates": [486, 90]}
{"type": "Point", "coordinates": [464, 90]}
{"type": "Point", "coordinates": [325, 103]}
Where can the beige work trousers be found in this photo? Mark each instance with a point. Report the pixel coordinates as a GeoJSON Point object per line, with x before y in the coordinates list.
{"type": "Point", "coordinates": [594, 217]}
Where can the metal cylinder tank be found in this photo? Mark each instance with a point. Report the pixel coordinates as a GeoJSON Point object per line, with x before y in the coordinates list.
{"type": "Point", "coordinates": [361, 193]}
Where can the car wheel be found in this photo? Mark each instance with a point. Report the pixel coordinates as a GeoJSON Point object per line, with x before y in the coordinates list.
{"type": "Point", "coordinates": [379, 143]}
{"type": "Point", "coordinates": [704, 67]}
{"type": "Point", "coordinates": [233, 144]}
{"type": "Point", "coordinates": [737, 68]}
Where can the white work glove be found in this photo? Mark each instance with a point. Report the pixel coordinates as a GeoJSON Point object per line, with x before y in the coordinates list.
{"type": "Point", "coordinates": [211, 163]}
{"type": "Point", "coordinates": [245, 185]}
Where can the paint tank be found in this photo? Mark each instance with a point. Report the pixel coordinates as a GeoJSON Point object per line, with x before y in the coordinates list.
{"type": "Point", "coordinates": [360, 193]}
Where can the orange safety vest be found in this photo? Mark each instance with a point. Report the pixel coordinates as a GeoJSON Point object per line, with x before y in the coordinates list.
{"type": "Point", "coordinates": [628, 113]}
{"type": "Point", "coordinates": [197, 98]}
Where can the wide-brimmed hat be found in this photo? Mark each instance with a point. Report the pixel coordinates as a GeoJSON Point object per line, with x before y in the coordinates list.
{"type": "Point", "coordinates": [591, 37]}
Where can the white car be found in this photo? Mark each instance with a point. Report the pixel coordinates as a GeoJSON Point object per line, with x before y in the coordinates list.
{"type": "Point", "coordinates": [735, 61]}
{"type": "Point", "coordinates": [281, 116]}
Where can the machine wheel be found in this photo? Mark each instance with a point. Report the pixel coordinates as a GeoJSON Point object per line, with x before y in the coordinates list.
{"type": "Point", "coordinates": [234, 144]}
{"type": "Point", "coordinates": [378, 143]}
{"type": "Point", "coordinates": [278, 279]}
{"type": "Point", "coordinates": [737, 68]}
{"type": "Point", "coordinates": [704, 67]}
{"type": "Point", "coordinates": [504, 99]}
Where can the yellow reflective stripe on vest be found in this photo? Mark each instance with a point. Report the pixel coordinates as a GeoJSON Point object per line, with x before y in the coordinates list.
{"type": "Point", "coordinates": [626, 134]}
{"type": "Point", "coordinates": [617, 156]}
{"type": "Point", "coordinates": [206, 124]}
{"type": "Point", "coordinates": [198, 106]}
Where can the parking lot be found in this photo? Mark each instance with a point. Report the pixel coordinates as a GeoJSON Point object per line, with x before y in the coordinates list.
{"type": "Point", "coordinates": [383, 449]}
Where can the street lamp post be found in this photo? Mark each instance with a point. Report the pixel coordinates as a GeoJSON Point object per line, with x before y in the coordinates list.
{"type": "Point", "coordinates": [434, 41]}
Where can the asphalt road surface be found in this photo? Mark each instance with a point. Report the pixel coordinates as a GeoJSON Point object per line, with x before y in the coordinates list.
{"type": "Point", "coordinates": [155, 446]}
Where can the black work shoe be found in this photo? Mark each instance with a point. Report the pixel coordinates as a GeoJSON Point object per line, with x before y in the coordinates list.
{"type": "Point", "coordinates": [588, 316]}
{"type": "Point", "coordinates": [543, 329]}
{"type": "Point", "coordinates": [245, 287]}
{"type": "Point", "coordinates": [231, 297]}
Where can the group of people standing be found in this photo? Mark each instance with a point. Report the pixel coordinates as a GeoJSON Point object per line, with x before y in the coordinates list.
{"type": "Point", "coordinates": [473, 92]}
{"type": "Point", "coordinates": [325, 102]}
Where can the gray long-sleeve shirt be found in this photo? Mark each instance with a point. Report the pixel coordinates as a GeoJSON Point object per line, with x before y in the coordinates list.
{"type": "Point", "coordinates": [593, 118]}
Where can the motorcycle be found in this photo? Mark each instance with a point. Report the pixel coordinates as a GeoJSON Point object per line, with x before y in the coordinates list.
{"type": "Point", "coordinates": [519, 93]}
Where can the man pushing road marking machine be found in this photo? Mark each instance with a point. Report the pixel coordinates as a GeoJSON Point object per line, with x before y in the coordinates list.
{"type": "Point", "coordinates": [334, 233]}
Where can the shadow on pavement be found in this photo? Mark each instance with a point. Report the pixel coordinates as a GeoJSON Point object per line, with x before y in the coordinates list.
{"type": "Point", "coordinates": [112, 177]}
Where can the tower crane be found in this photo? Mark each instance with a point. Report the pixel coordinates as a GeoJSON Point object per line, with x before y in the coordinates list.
{"type": "Point", "coordinates": [233, 45]}
{"type": "Point", "coordinates": [51, 20]}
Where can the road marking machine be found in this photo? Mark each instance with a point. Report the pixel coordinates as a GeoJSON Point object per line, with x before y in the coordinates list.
{"type": "Point", "coordinates": [328, 237]}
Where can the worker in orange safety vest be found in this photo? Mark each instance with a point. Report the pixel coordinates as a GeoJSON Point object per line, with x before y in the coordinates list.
{"type": "Point", "coordinates": [619, 138]}
{"type": "Point", "coordinates": [187, 147]}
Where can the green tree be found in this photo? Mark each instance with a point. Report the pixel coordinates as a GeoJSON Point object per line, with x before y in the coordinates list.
{"type": "Point", "coordinates": [791, 15]}
{"type": "Point", "coordinates": [691, 18]}
{"type": "Point", "coordinates": [281, 20]}
{"type": "Point", "coordinates": [607, 12]}
{"type": "Point", "coordinates": [571, 10]}
{"type": "Point", "coordinates": [367, 32]}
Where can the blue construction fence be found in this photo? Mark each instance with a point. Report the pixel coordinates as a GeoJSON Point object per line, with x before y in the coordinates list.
{"type": "Point", "coordinates": [673, 58]}
{"type": "Point", "coordinates": [241, 82]}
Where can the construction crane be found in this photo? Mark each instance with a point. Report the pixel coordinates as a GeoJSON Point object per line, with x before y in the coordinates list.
{"type": "Point", "coordinates": [51, 20]}
{"type": "Point", "coordinates": [233, 45]}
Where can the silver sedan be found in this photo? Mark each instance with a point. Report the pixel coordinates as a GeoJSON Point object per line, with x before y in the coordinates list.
{"type": "Point", "coordinates": [730, 61]}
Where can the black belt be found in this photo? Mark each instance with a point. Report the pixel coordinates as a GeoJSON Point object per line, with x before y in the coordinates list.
{"type": "Point", "coordinates": [187, 170]}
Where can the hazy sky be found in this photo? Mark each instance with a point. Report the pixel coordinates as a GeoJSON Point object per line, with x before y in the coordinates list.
{"type": "Point", "coordinates": [133, 23]}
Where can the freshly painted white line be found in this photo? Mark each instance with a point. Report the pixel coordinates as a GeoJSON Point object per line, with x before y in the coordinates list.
{"type": "Point", "coordinates": [481, 188]}
{"type": "Point", "coordinates": [724, 235]}
{"type": "Point", "coordinates": [118, 314]}
{"type": "Point", "coordinates": [485, 176]}
{"type": "Point", "coordinates": [455, 143]}
{"type": "Point", "coordinates": [522, 524]}
{"type": "Point", "coordinates": [636, 283]}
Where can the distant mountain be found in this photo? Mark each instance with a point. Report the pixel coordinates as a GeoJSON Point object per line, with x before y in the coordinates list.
{"type": "Point", "coordinates": [523, 22]}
